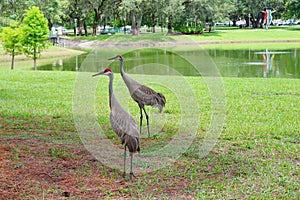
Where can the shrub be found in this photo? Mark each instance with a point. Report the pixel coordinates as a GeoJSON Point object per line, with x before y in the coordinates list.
{"type": "Point", "coordinates": [190, 29]}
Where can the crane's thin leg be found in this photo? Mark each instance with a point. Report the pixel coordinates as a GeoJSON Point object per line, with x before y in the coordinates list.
{"type": "Point", "coordinates": [124, 174]}
{"type": "Point", "coordinates": [141, 120]}
{"type": "Point", "coordinates": [147, 118]}
{"type": "Point", "coordinates": [131, 172]}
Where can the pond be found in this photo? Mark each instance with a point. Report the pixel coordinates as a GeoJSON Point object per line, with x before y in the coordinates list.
{"type": "Point", "coordinates": [230, 63]}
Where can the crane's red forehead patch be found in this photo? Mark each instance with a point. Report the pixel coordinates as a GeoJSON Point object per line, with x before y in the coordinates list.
{"type": "Point", "coordinates": [107, 70]}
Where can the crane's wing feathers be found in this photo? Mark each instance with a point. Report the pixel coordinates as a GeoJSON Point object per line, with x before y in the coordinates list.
{"type": "Point", "coordinates": [146, 90]}
{"type": "Point", "coordinates": [126, 128]}
{"type": "Point", "coordinates": [144, 95]}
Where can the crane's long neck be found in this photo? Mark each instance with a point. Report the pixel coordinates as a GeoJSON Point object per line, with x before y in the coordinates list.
{"type": "Point", "coordinates": [128, 81]}
{"type": "Point", "coordinates": [121, 68]}
{"type": "Point", "coordinates": [110, 89]}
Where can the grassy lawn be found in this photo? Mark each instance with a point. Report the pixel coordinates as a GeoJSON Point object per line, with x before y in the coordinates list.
{"type": "Point", "coordinates": [251, 34]}
{"type": "Point", "coordinates": [233, 38]}
{"type": "Point", "coordinates": [256, 155]}
{"type": "Point", "coordinates": [48, 56]}
{"type": "Point", "coordinates": [223, 34]}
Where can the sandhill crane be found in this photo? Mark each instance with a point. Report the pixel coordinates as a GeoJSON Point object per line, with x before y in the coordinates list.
{"type": "Point", "coordinates": [142, 94]}
{"type": "Point", "coordinates": [122, 123]}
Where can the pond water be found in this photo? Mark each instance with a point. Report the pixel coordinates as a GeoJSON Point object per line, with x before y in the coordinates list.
{"type": "Point", "coordinates": [230, 63]}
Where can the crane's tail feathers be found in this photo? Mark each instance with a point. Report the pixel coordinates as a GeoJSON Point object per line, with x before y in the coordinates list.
{"type": "Point", "coordinates": [132, 143]}
{"type": "Point", "coordinates": [161, 101]}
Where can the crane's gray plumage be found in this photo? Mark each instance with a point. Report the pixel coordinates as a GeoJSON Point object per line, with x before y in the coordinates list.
{"type": "Point", "coordinates": [142, 94]}
{"type": "Point", "coordinates": [122, 123]}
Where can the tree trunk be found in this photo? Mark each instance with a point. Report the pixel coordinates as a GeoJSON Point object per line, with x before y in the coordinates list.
{"type": "Point", "coordinates": [85, 29]}
{"type": "Point", "coordinates": [34, 59]}
{"type": "Point", "coordinates": [50, 24]}
{"type": "Point", "coordinates": [75, 27]}
{"type": "Point", "coordinates": [234, 22]}
{"type": "Point", "coordinates": [153, 23]}
{"type": "Point", "coordinates": [34, 64]}
{"type": "Point", "coordinates": [170, 25]}
{"type": "Point", "coordinates": [133, 24]}
{"type": "Point", "coordinates": [79, 27]}
{"type": "Point", "coordinates": [12, 60]}
{"type": "Point", "coordinates": [139, 24]}
{"type": "Point", "coordinates": [170, 28]}
{"type": "Point", "coordinates": [125, 27]}
{"type": "Point", "coordinates": [95, 23]}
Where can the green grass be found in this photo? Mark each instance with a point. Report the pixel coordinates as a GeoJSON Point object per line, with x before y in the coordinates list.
{"type": "Point", "coordinates": [47, 56]}
{"type": "Point", "coordinates": [256, 155]}
{"type": "Point", "coordinates": [251, 34]}
{"type": "Point", "coordinates": [253, 46]}
{"type": "Point", "coordinates": [121, 37]}
{"type": "Point", "coordinates": [233, 38]}
{"type": "Point", "coordinates": [287, 33]}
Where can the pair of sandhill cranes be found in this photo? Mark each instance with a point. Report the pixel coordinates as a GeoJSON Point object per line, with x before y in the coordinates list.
{"type": "Point", "coordinates": [122, 123]}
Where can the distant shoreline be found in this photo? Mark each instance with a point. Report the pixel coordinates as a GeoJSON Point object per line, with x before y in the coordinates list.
{"type": "Point", "coordinates": [87, 44]}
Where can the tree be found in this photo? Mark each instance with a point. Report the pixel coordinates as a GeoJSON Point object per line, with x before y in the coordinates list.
{"type": "Point", "coordinates": [13, 9]}
{"type": "Point", "coordinates": [154, 14]}
{"type": "Point", "coordinates": [51, 10]}
{"type": "Point", "coordinates": [79, 11]}
{"type": "Point", "coordinates": [35, 33]}
{"type": "Point", "coordinates": [250, 10]}
{"type": "Point", "coordinates": [99, 10]}
{"type": "Point", "coordinates": [11, 41]}
{"type": "Point", "coordinates": [293, 9]}
{"type": "Point", "coordinates": [173, 11]}
{"type": "Point", "coordinates": [151, 12]}
{"type": "Point", "coordinates": [135, 8]}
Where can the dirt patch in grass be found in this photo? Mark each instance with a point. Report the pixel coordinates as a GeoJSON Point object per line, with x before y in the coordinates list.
{"type": "Point", "coordinates": [36, 169]}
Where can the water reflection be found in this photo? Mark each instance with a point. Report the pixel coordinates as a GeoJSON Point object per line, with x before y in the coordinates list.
{"type": "Point", "coordinates": [267, 64]}
{"type": "Point", "coordinates": [231, 63]}
{"type": "Point", "coordinates": [65, 64]}
{"type": "Point", "coordinates": [269, 67]}
{"type": "Point", "coordinates": [249, 63]}
{"type": "Point", "coordinates": [268, 59]}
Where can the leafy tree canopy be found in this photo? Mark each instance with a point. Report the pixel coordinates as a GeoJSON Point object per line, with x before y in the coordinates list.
{"type": "Point", "coordinates": [11, 40]}
{"type": "Point", "coordinates": [35, 33]}
{"type": "Point", "coordinates": [94, 13]}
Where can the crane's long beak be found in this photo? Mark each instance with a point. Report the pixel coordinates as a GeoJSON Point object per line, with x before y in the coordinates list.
{"type": "Point", "coordinates": [113, 58]}
{"type": "Point", "coordinates": [97, 74]}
